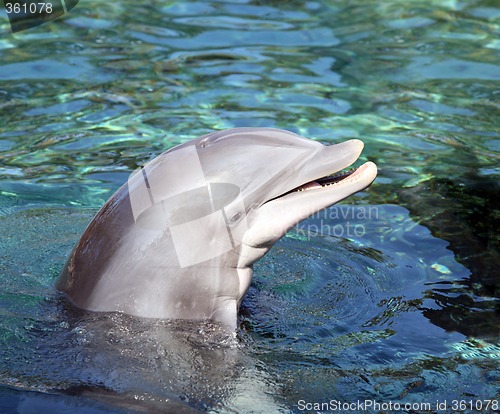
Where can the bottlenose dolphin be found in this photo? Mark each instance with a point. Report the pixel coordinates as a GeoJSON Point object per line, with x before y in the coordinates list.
{"type": "Point", "coordinates": [178, 240]}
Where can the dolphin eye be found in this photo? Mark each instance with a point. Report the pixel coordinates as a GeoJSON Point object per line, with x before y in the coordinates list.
{"type": "Point", "coordinates": [235, 217]}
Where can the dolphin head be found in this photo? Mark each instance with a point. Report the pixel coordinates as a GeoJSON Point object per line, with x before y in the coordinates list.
{"type": "Point", "coordinates": [247, 186]}
{"type": "Point", "coordinates": [201, 214]}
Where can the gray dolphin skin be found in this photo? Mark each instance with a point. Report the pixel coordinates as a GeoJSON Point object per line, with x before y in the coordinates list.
{"type": "Point", "coordinates": [179, 239]}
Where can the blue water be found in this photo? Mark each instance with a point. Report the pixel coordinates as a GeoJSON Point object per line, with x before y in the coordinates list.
{"type": "Point", "coordinates": [391, 296]}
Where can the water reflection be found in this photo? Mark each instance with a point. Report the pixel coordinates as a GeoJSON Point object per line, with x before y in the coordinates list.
{"type": "Point", "coordinates": [408, 310]}
{"type": "Point", "coordinates": [368, 323]}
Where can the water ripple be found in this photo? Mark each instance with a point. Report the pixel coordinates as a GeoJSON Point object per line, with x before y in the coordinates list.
{"type": "Point", "coordinates": [408, 311]}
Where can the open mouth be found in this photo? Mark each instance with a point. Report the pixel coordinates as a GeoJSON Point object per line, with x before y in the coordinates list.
{"type": "Point", "coordinates": [340, 177]}
{"type": "Point", "coordinates": [326, 181]}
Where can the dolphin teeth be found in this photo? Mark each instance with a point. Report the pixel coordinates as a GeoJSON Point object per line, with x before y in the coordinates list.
{"type": "Point", "coordinates": [326, 181]}
{"type": "Point", "coordinates": [334, 178]}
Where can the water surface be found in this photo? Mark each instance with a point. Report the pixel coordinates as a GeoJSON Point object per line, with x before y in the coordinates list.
{"type": "Point", "coordinates": [404, 309]}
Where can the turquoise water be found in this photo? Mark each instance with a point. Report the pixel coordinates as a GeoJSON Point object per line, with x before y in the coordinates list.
{"type": "Point", "coordinates": [405, 310]}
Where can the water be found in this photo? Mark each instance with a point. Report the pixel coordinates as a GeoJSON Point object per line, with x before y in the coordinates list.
{"type": "Point", "coordinates": [403, 310]}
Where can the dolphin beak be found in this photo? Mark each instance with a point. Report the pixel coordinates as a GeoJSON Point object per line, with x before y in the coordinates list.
{"type": "Point", "coordinates": [323, 182]}
{"type": "Point", "coordinates": [313, 189]}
